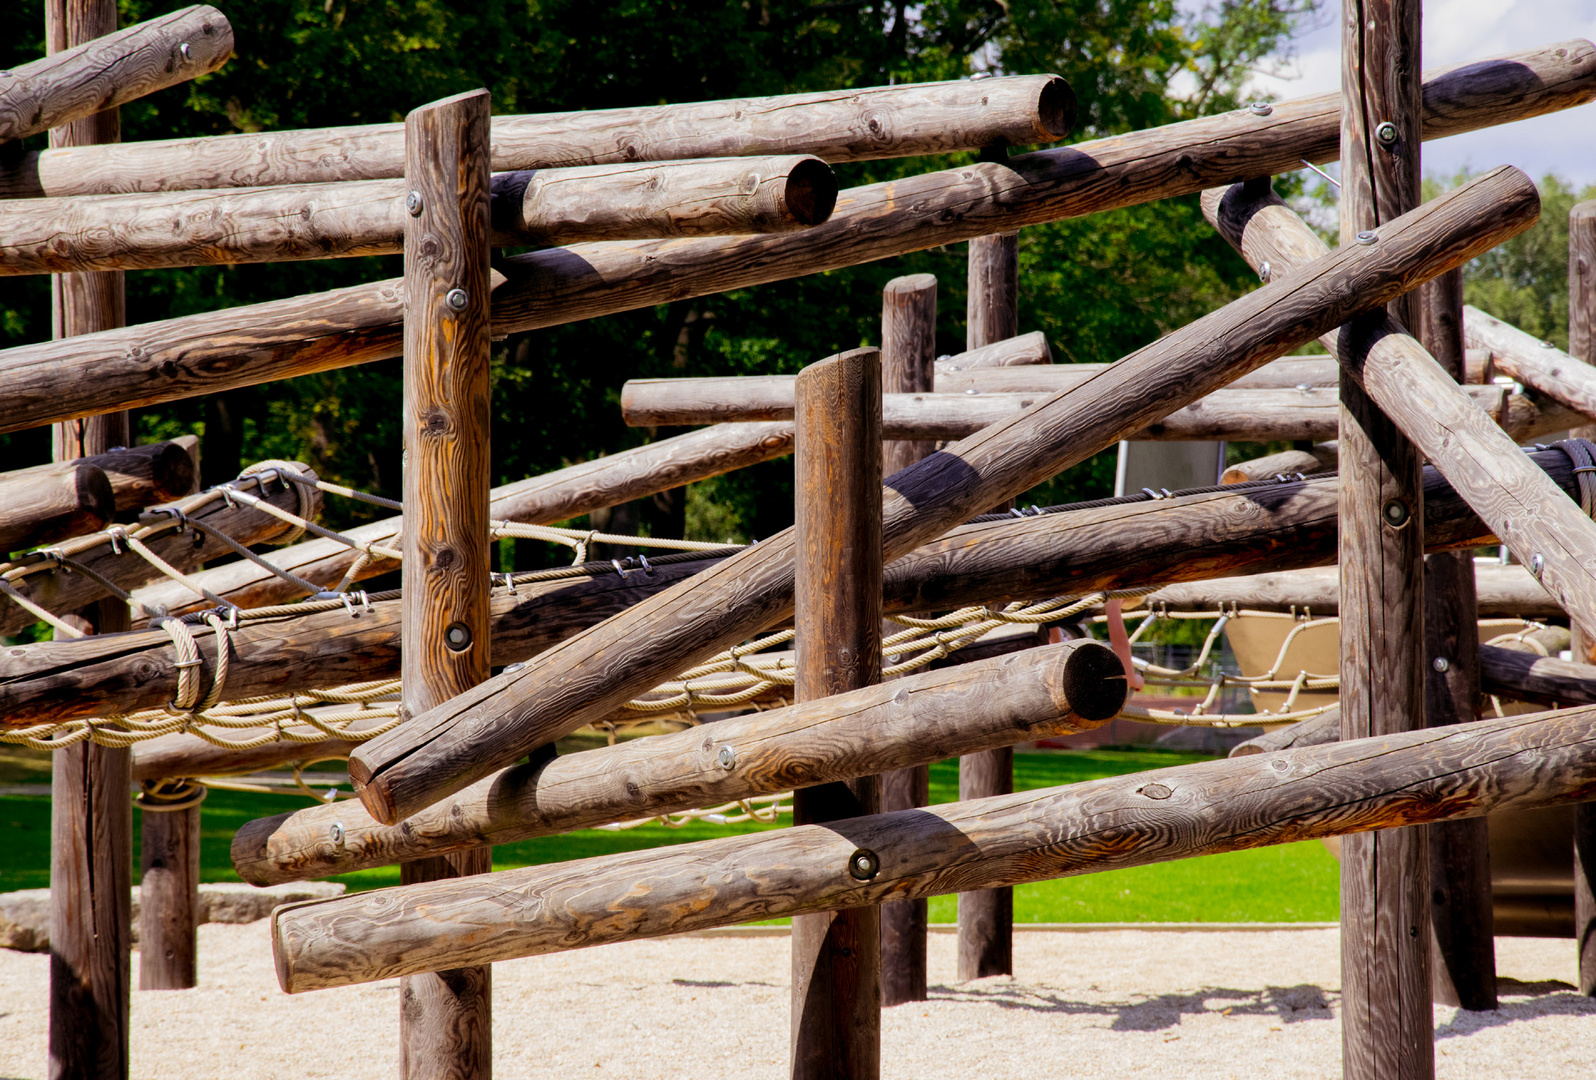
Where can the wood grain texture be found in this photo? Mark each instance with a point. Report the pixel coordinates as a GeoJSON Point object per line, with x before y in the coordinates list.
{"type": "Point", "coordinates": [79, 80]}
{"type": "Point", "coordinates": [1044, 377]}
{"type": "Point", "coordinates": [836, 956]}
{"type": "Point", "coordinates": [1398, 375]}
{"type": "Point", "coordinates": [1542, 680]}
{"type": "Point", "coordinates": [169, 861]}
{"type": "Point", "coordinates": [544, 500]}
{"type": "Point", "coordinates": [1582, 344]}
{"type": "Point", "coordinates": [59, 590]}
{"type": "Point", "coordinates": [1022, 350]}
{"type": "Point", "coordinates": [916, 719]}
{"type": "Point", "coordinates": [39, 506]}
{"type": "Point", "coordinates": [195, 355]}
{"type": "Point", "coordinates": [1560, 376]}
{"type": "Point", "coordinates": [1316, 731]}
{"type": "Point", "coordinates": [908, 365]}
{"type": "Point", "coordinates": [1193, 539]}
{"type": "Point", "coordinates": [445, 1027]}
{"type": "Point", "coordinates": [144, 475]}
{"type": "Point", "coordinates": [1412, 778]}
{"type": "Point", "coordinates": [435, 755]}
{"type": "Point", "coordinates": [836, 125]}
{"type": "Point", "coordinates": [342, 220]}
{"type": "Point", "coordinates": [1321, 458]}
{"type": "Point", "coordinates": [1387, 1023]}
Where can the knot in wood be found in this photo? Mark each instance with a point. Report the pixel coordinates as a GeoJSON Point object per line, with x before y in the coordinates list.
{"type": "Point", "coordinates": [1155, 791]}
{"type": "Point", "coordinates": [445, 558]}
{"type": "Point", "coordinates": [145, 670]}
{"type": "Point", "coordinates": [436, 422]}
{"type": "Point", "coordinates": [429, 246]}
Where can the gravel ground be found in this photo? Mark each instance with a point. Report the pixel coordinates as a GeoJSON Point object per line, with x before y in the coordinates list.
{"type": "Point", "coordinates": [1105, 1003]}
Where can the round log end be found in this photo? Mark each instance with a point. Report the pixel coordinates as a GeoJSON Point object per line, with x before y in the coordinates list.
{"type": "Point", "coordinates": [1094, 683]}
{"type": "Point", "coordinates": [1055, 109]}
{"type": "Point", "coordinates": [811, 192]}
{"type": "Point", "coordinates": [251, 851]}
{"type": "Point", "coordinates": [172, 472]}
{"type": "Point", "coordinates": [372, 790]}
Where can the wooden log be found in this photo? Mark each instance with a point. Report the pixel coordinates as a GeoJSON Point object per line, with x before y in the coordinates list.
{"type": "Point", "coordinates": [59, 590]}
{"type": "Point", "coordinates": [992, 314]}
{"type": "Point", "coordinates": [918, 718]}
{"type": "Point", "coordinates": [1387, 1022]}
{"type": "Point", "coordinates": [1416, 777]}
{"type": "Point", "coordinates": [1315, 731]}
{"type": "Point", "coordinates": [417, 763]}
{"type": "Point", "coordinates": [1393, 370]}
{"type": "Point", "coordinates": [1046, 377]}
{"type": "Point", "coordinates": [836, 957]}
{"type": "Point", "coordinates": [836, 125]}
{"type": "Point", "coordinates": [169, 861]}
{"type": "Point", "coordinates": [1321, 458]}
{"type": "Point", "coordinates": [445, 1018]}
{"type": "Point", "coordinates": [1541, 680]}
{"type": "Point", "coordinates": [152, 473]}
{"type": "Point", "coordinates": [39, 506]}
{"type": "Point", "coordinates": [1582, 344]}
{"type": "Point", "coordinates": [909, 365]}
{"type": "Point", "coordinates": [1022, 350]}
{"type": "Point", "coordinates": [1188, 538]}
{"type": "Point", "coordinates": [91, 819]}
{"type": "Point", "coordinates": [185, 357]}
{"type": "Point", "coordinates": [1235, 415]}
{"type": "Point", "coordinates": [72, 83]}
{"type": "Point", "coordinates": [1535, 363]}
{"type": "Point", "coordinates": [325, 221]}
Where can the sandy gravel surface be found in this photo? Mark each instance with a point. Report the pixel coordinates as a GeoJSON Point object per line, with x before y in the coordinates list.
{"type": "Point", "coordinates": [1107, 1003]}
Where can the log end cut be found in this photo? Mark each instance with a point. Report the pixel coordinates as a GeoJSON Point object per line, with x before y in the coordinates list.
{"type": "Point", "coordinates": [1093, 685]}
{"type": "Point", "coordinates": [1055, 110]}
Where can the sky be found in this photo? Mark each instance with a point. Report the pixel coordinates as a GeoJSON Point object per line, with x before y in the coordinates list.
{"type": "Point", "coordinates": [1458, 31]}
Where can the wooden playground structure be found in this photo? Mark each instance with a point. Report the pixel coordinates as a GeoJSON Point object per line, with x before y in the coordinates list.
{"type": "Point", "coordinates": [901, 621]}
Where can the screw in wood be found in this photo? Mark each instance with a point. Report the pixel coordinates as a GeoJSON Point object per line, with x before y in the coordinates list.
{"type": "Point", "coordinates": [183, 50]}
{"type": "Point", "coordinates": [863, 864]}
{"type": "Point", "coordinates": [1265, 271]}
{"type": "Point", "coordinates": [457, 637]}
{"type": "Point", "coordinates": [1366, 238]}
{"type": "Point", "coordinates": [1395, 513]}
{"type": "Point", "coordinates": [1261, 108]}
{"type": "Point", "coordinates": [1440, 663]}
{"type": "Point", "coordinates": [456, 299]}
{"type": "Point", "coordinates": [726, 758]}
{"type": "Point", "coordinates": [336, 831]}
{"type": "Point", "coordinates": [1536, 564]}
{"type": "Point", "coordinates": [1386, 133]}
{"type": "Point", "coordinates": [413, 203]}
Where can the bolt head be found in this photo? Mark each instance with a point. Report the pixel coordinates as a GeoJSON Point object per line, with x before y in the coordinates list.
{"type": "Point", "coordinates": [863, 865]}
{"type": "Point", "coordinates": [1366, 237]}
{"type": "Point", "coordinates": [726, 758]}
{"type": "Point", "coordinates": [1386, 133]}
{"type": "Point", "coordinates": [1537, 564]}
{"type": "Point", "coordinates": [1395, 513]}
{"type": "Point", "coordinates": [413, 203]}
{"type": "Point", "coordinates": [457, 299]}
{"type": "Point", "coordinates": [511, 669]}
{"type": "Point", "coordinates": [457, 636]}
{"type": "Point", "coordinates": [1261, 108]}
{"type": "Point", "coordinates": [336, 832]}
{"type": "Point", "coordinates": [1265, 271]}
{"type": "Point", "coordinates": [183, 51]}
{"type": "Point", "coordinates": [1440, 663]}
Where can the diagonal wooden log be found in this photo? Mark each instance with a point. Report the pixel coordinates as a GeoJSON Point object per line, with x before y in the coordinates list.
{"type": "Point", "coordinates": [1565, 379]}
{"type": "Point", "coordinates": [836, 125]}
{"type": "Point", "coordinates": [193, 355]}
{"type": "Point", "coordinates": [1022, 350]}
{"type": "Point", "coordinates": [725, 197]}
{"type": "Point", "coordinates": [920, 718]}
{"type": "Point", "coordinates": [1187, 538]}
{"type": "Point", "coordinates": [1539, 524]}
{"type": "Point", "coordinates": [1518, 762]}
{"type": "Point", "coordinates": [447, 748]}
{"type": "Point", "coordinates": [112, 70]}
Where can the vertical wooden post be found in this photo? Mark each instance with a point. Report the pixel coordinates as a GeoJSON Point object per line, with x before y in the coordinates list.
{"type": "Point", "coordinates": [986, 918]}
{"type": "Point", "coordinates": [91, 811]}
{"type": "Point", "coordinates": [1463, 954]}
{"type": "Point", "coordinates": [836, 956]}
{"type": "Point", "coordinates": [445, 1028]}
{"type": "Point", "coordinates": [1385, 896]}
{"type": "Point", "coordinates": [908, 366]}
{"type": "Point", "coordinates": [1582, 344]}
{"type": "Point", "coordinates": [169, 888]}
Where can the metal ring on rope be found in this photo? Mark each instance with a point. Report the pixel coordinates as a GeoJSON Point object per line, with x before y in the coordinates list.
{"type": "Point", "coordinates": [187, 700]}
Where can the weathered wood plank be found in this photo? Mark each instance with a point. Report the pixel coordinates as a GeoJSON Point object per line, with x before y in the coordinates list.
{"type": "Point", "coordinates": [77, 81]}
{"type": "Point", "coordinates": [429, 757]}
{"type": "Point", "coordinates": [1582, 344]}
{"type": "Point", "coordinates": [1289, 373]}
{"type": "Point", "coordinates": [729, 197]}
{"type": "Point", "coordinates": [194, 355]}
{"type": "Point", "coordinates": [169, 879]}
{"type": "Point", "coordinates": [1416, 777]}
{"type": "Point", "coordinates": [836, 125]}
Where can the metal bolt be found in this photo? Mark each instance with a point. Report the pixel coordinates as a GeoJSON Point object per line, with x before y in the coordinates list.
{"type": "Point", "coordinates": [1396, 513]}
{"type": "Point", "coordinates": [1261, 108]}
{"type": "Point", "coordinates": [1536, 564]}
{"type": "Point", "coordinates": [727, 758]}
{"type": "Point", "coordinates": [457, 299]}
{"type": "Point", "coordinates": [1306, 388]}
{"type": "Point", "coordinates": [1366, 237]}
{"type": "Point", "coordinates": [1547, 345]}
{"type": "Point", "coordinates": [1265, 271]}
{"type": "Point", "coordinates": [457, 637]}
{"type": "Point", "coordinates": [863, 864]}
{"type": "Point", "coordinates": [979, 75]}
{"type": "Point", "coordinates": [183, 51]}
{"type": "Point", "coordinates": [1386, 133]}
{"type": "Point", "coordinates": [336, 831]}
{"type": "Point", "coordinates": [413, 203]}
{"type": "Point", "coordinates": [1440, 663]}
{"type": "Point", "coordinates": [510, 669]}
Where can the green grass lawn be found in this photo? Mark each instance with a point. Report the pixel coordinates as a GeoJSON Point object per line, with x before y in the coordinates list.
{"type": "Point", "coordinates": [1290, 883]}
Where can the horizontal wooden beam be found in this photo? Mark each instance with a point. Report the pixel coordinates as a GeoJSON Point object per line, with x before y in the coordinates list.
{"type": "Point", "coordinates": [510, 715]}
{"type": "Point", "coordinates": [1541, 526]}
{"type": "Point", "coordinates": [113, 70]}
{"type": "Point", "coordinates": [1038, 693]}
{"type": "Point", "coordinates": [538, 500]}
{"type": "Point", "coordinates": [1565, 379]}
{"type": "Point", "coordinates": [212, 352]}
{"type": "Point", "coordinates": [139, 476]}
{"type": "Point", "coordinates": [1543, 680]}
{"type": "Point", "coordinates": [1508, 591]}
{"type": "Point", "coordinates": [1022, 350]}
{"type": "Point", "coordinates": [725, 197]}
{"type": "Point", "coordinates": [1285, 374]}
{"type": "Point", "coordinates": [1419, 777]}
{"type": "Point", "coordinates": [836, 125]}
{"type": "Point", "coordinates": [1186, 538]}
{"type": "Point", "coordinates": [40, 506]}
{"type": "Point", "coordinates": [1322, 457]}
